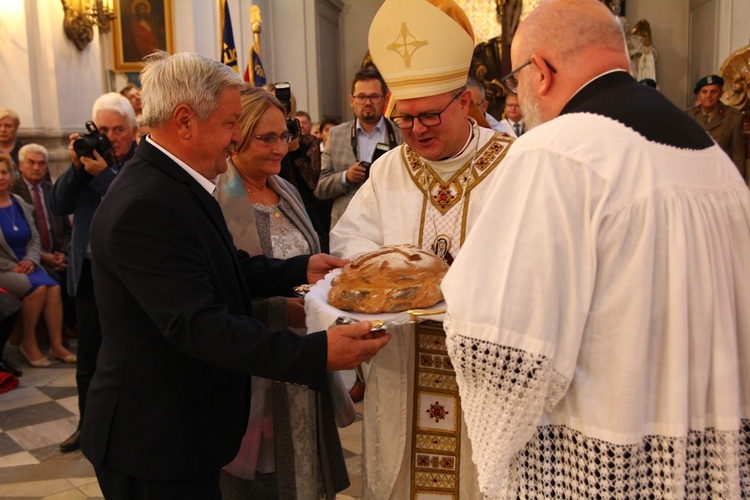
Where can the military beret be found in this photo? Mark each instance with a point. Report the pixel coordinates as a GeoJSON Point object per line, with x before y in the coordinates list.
{"type": "Point", "coordinates": [708, 80]}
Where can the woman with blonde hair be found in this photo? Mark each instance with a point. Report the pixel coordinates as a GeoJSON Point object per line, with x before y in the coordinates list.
{"type": "Point", "coordinates": [291, 431]}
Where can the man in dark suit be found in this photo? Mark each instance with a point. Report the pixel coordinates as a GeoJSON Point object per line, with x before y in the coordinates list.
{"type": "Point", "coordinates": [722, 122]}
{"type": "Point", "coordinates": [352, 143]}
{"type": "Point", "coordinates": [169, 402]}
{"type": "Point", "coordinates": [54, 230]}
{"type": "Point", "coordinates": [78, 191]}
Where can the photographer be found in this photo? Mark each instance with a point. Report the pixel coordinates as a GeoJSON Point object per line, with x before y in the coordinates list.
{"type": "Point", "coordinates": [351, 145]}
{"type": "Point", "coordinates": [96, 158]}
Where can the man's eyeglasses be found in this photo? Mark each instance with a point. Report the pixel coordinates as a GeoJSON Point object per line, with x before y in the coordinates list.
{"type": "Point", "coordinates": [362, 98]}
{"type": "Point", "coordinates": [272, 139]}
{"type": "Point", "coordinates": [427, 119]}
{"type": "Point", "coordinates": [510, 80]}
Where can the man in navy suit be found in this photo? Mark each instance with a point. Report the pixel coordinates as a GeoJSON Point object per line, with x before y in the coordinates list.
{"type": "Point", "coordinates": [169, 402]}
{"type": "Point", "coordinates": [78, 191]}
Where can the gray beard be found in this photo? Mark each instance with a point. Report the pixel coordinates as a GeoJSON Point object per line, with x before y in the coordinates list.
{"type": "Point", "coordinates": [532, 113]}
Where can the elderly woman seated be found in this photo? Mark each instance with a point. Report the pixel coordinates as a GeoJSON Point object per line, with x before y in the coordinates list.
{"type": "Point", "coordinates": [22, 276]}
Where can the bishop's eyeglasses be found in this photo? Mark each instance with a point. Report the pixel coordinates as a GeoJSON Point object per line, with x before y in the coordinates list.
{"type": "Point", "coordinates": [427, 119]}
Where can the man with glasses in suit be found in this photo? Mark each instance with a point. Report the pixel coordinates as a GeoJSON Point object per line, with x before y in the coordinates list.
{"type": "Point", "coordinates": [346, 159]}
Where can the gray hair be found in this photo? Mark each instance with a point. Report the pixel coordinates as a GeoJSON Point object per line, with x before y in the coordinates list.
{"type": "Point", "coordinates": [189, 78]}
{"type": "Point", "coordinates": [116, 103]}
{"type": "Point", "coordinates": [473, 82]}
{"type": "Point", "coordinates": [32, 148]}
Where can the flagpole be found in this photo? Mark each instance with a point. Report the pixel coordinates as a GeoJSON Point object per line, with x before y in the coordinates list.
{"type": "Point", "coordinates": [221, 28]}
{"type": "Point", "coordinates": [256, 22]}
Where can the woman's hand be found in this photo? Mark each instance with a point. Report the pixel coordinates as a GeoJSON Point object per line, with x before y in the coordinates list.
{"type": "Point", "coordinates": [24, 267]}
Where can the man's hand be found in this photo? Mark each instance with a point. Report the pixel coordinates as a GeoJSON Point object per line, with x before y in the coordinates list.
{"type": "Point", "coordinates": [94, 165]}
{"type": "Point", "coordinates": [295, 312]}
{"type": "Point", "coordinates": [73, 156]}
{"type": "Point", "coordinates": [24, 267]}
{"type": "Point", "coordinates": [350, 345]}
{"type": "Point", "coordinates": [356, 174]}
{"type": "Point", "coordinates": [320, 264]}
{"type": "Point", "coordinates": [60, 261]}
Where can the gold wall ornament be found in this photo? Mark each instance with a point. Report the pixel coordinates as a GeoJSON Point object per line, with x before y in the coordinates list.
{"type": "Point", "coordinates": [82, 15]}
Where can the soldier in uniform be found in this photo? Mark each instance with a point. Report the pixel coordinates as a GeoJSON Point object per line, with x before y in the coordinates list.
{"type": "Point", "coordinates": [722, 122]}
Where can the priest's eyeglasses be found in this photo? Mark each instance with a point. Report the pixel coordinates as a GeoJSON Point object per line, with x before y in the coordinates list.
{"type": "Point", "coordinates": [510, 80]}
{"type": "Point", "coordinates": [427, 119]}
{"type": "Point", "coordinates": [362, 98]}
{"type": "Point", "coordinates": [271, 139]}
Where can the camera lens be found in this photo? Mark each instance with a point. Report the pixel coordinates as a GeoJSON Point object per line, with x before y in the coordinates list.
{"type": "Point", "coordinates": [84, 146]}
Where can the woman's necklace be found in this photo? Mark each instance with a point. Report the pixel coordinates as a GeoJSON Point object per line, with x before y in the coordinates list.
{"type": "Point", "coordinates": [257, 196]}
{"type": "Point", "coordinates": [12, 217]}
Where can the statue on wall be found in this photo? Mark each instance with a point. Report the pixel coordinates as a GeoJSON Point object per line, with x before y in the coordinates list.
{"type": "Point", "coordinates": [736, 74]}
{"type": "Point", "coordinates": [642, 52]}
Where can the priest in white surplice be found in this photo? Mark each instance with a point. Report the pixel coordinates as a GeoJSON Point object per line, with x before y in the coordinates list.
{"type": "Point", "coordinates": [428, 193]}
{"type": "Point", "coordinates": [605, 353]}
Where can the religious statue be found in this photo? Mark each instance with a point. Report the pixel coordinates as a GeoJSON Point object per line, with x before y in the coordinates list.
{"type": "Point", "coordinates": [642, 52]}
{"type": "Point", "coordinates": [736, 74]}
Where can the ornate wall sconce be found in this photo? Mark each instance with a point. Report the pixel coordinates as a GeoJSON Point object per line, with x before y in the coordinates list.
{"type": "Point", "coordinates": [82, 15]}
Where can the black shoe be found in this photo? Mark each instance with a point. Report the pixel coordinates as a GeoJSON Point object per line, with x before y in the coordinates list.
{"type": "Point", "coordinates": [5, 367]}
{"type": "Point", "coordinates": [72, 443]}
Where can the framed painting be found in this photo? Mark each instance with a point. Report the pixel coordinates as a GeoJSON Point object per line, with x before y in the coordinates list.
{"type": "Point", "coordinates": [140, 28]}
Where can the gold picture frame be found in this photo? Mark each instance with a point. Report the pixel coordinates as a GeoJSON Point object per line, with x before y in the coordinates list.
{"type": "Point", "coordinates": [140, 28]}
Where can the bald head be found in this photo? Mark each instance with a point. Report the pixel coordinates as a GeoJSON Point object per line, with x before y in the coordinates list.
{"type": "Point", "coordinates": [568, 27]}
{"type": "Point", "coordinates": [581, 39]}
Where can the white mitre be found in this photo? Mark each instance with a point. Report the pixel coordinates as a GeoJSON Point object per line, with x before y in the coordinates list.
{"type": "Point", "coordinates": [421, 47]}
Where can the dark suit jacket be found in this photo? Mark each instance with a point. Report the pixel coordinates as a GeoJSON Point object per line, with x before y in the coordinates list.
{"type": "Point", "coordinates": [79, 193]}
{"type": "Point", "coordinates": [170, 397]}
{"type": "Point", "coordinates": [60, 228]}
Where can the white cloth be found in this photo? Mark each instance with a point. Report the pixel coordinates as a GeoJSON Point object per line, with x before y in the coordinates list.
{"type": "Point", "coordinates": [386, 211]}
{"type": "Point", "coordinates": [607, 317]}
{"type": "Point", "coordinates": [494, 124]}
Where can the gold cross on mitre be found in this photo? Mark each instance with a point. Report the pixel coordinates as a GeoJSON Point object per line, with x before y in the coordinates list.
{"type": "Point", "coordinates": [407, 40]}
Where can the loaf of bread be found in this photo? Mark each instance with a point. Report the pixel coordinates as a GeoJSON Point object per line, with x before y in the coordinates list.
{"type": "Point", "coordinates": [390, 279]}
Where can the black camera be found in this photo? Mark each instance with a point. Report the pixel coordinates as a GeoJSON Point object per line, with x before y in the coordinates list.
{"type": "Point", "coordinates": [94, 140]}
{"type": "Point", "coordinates": [381, 148]}
{"type": "Point", "coordinates": [284, 95]}
{"type": "Point", "coordinates": [367, 165]}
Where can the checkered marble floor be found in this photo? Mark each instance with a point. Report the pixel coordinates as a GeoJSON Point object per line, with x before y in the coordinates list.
{"type": "Point", "coordinates": [43, 411]}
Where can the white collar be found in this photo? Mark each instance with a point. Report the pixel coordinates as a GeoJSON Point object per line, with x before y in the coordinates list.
{"type": "Point", "coordinates": [207, 184]}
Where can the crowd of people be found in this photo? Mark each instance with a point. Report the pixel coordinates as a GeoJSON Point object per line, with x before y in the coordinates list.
{"type": "Point", "coordinates": [597, 313]}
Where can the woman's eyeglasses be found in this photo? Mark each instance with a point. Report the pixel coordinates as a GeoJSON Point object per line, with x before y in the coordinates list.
{"type": "Point", "coordinates": [272, 139]}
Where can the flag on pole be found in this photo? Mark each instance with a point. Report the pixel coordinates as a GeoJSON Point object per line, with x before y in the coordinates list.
{"type": "Point", "coordinates": [228, 49]}
{"type": "Point", "coordinates": [254, 73]}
